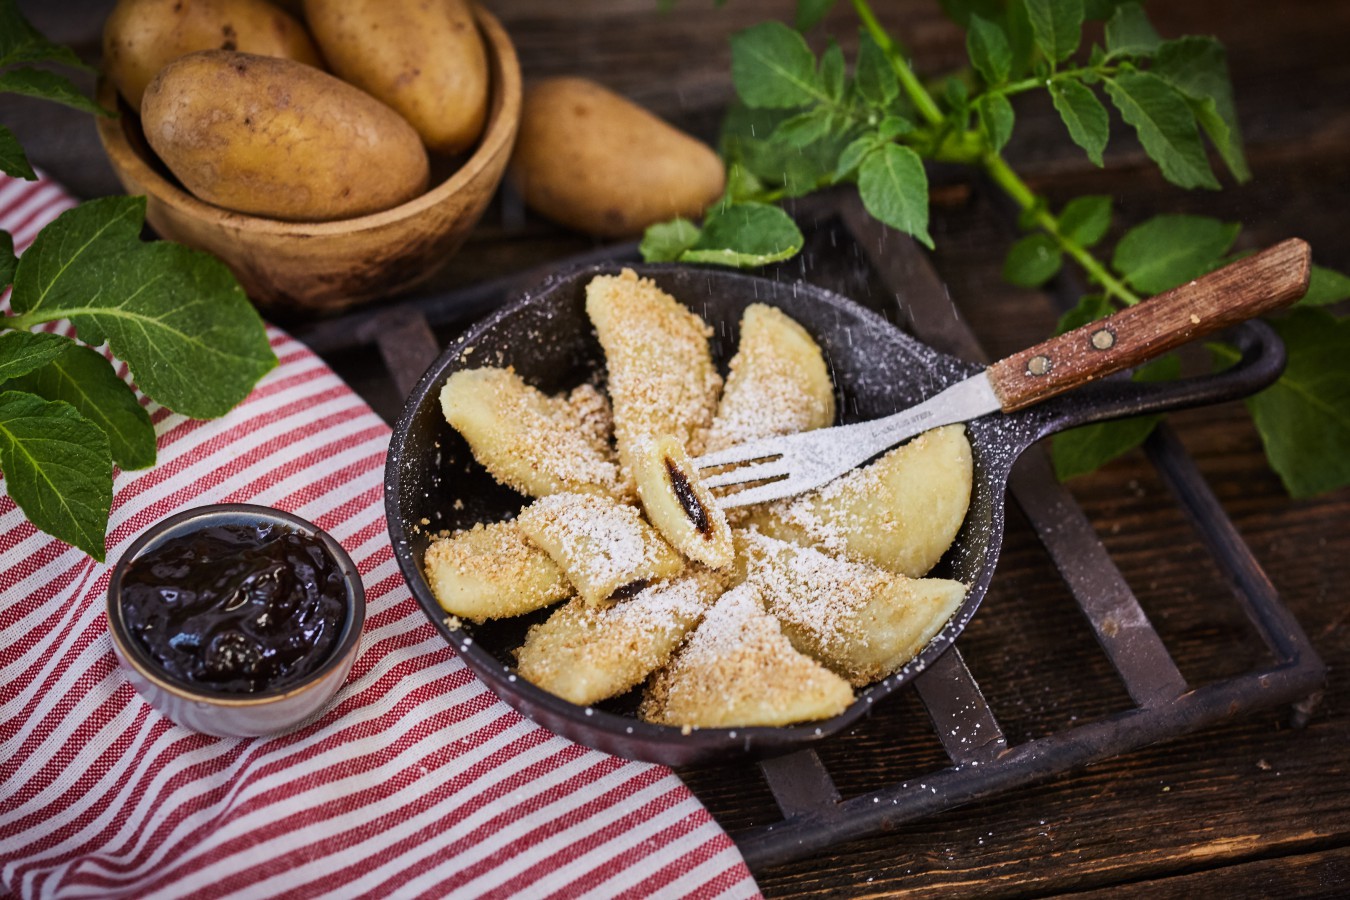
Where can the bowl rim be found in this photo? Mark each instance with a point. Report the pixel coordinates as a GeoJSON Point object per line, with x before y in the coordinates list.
{"type": "Point", "coordinates": [498, 136]}
{"type": "Point", "coordinates": [182, 522]}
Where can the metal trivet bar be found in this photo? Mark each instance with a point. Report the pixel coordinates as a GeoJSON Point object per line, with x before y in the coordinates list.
{"type": "Point", "coordinates": [815, 816]}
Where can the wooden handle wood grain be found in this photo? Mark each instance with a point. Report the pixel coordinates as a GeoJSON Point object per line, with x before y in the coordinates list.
{"type": "Point", "coordinates": [1262, 283]}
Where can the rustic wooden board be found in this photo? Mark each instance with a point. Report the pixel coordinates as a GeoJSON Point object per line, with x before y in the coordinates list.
{"type": "Point", "coordinates": [1251, 808]}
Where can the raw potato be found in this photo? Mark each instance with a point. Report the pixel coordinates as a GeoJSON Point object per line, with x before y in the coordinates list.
{"type": "Point", "coordinates": [584, 653]}
{"type": "Point", "coordinates": [277, 138]}
{"type": "Point", "coordinates": [661, 376]}
{"type": "Point", "coordinates": [778, 382]}
{"type": "Point", "coordinates": [901, 512]}
{"type": "Point", "coordinates": [529, 441]}
{"type": "Point", "coordinates": [604, 547]}
{"type": "Point", "coordinates": [860, 620]}
{"type": "Point", "coordinates": [678, 504]}
{"type": "Point", "coordinates": [597, 162]}
{"type": "Point", "coordinates": [140, 37]}
{"type": "Point", "coordinates": [424, 59]}
{"type": "Point", "coordinates": [738, 669]}
{"type": "Point", "coordinates": [492, 572]}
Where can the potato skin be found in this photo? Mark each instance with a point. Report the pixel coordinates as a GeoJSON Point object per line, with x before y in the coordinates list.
{"type": "Point", "coordinates": [424, 58]}
{"type": "Point", "coordinates": [597, 162]}
{"type": "Point", "coordinates": [276, 138]}
{"type": "Point", "coordinates": [140, 37]}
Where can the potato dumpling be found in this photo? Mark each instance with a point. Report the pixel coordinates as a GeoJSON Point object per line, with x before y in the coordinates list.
{"type": "Point", "coordinates": [597, 162]}
{"type": "Point", "coordinates": [529, 441]}
{"type": "Point", "coordinates": [900, 512]}
{"type": "Point", "coordinates": [660, 373]}
{"type": "Point", "coordinates": [585, 653]}
{"type": "Point", "coordinates": [277, 138]}
{"type": "Point", "coordinates": [604, 547]}
{"type": "Point", "coordinates": [424, 58]}
{"type": "Point", "coordinates": [677, 503]}
{"type": "Point", "coordinates": [738, 669]}
{"type": "Point", "coordinates": [492, 572]}
{"type": "Point", "coordinates": [860, 620]}
{"type": "Point", "coordinates": [140, 37]}
{"type": "Point", "coordinates": [778, 382]}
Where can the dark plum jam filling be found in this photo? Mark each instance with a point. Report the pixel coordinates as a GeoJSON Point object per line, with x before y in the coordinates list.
{"type": "Point", "coordinates": [236, 609]}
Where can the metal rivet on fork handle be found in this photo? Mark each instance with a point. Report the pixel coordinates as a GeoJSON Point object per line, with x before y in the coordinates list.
{"type": "Point", "coordinates": [1103, 339]}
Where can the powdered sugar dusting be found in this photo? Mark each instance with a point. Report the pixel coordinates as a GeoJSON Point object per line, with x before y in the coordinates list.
{"type": "Point", "coordinates": [813, 591]}
{"type": "Point", "coordinates": [600, 543]}
{"type": "Point", "coordinates": [777, 384]}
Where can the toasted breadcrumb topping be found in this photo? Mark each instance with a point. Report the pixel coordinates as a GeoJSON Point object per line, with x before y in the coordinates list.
{"type": "Point", "coordinates": [661, 378]}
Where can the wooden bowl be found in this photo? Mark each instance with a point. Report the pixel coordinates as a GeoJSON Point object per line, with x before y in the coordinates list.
{"type": "Point", "coordinates": [307, 268]}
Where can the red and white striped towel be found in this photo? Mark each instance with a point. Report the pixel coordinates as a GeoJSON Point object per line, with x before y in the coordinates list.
{"type": "Point", "coordinates": [417, 782]}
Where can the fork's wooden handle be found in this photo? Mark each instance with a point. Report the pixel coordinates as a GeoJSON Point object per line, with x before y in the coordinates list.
{"type": "Point", "coordinates": [1261, 283]}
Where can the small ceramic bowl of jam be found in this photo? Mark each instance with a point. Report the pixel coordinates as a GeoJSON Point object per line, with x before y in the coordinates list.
{"type": "Point", "coordinates": [236, 620]}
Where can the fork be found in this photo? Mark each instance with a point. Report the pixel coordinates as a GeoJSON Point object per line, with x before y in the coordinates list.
{"type": "Point", "coordinates": [785, 466]}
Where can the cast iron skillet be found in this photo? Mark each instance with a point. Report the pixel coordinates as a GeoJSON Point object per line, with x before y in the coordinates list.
{"type": "Point", "coordinates": [431, 478]}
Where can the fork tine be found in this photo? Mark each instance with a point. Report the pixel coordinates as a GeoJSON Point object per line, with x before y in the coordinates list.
{"type": "Point", "coordinates": [774, 490]}
{"type": "Point", "coordinates": [738, 454]}
{"type": "Point", "coordinates": [774, 468]}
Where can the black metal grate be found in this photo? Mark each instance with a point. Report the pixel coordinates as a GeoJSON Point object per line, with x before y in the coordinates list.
{"type": "Point", "coordinates": [983, 762]}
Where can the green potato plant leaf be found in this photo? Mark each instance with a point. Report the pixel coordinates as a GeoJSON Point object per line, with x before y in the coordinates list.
{"type": "Point", "coordinates": [48, 86]}
{"type": "Point", "coordinates": [1129, 32]}
{"type": "Point", "coordinates": [1198, 68]}
{"type": "Point", "coordinates": [1032, 261]}
{"type": "Point", "coordinates": [810, 12]}
{"type": "Point", "coordinates": [175, 315]}
{"type": "Point", "coordinates": [1085, 220]}
{"type": "Point", "coordinates": [58, 469]}
{"type": "Point", "coordinates": [20, 42]}
{"type": "Point", "coordinates": [989, 50]}
{"type": "Point", "coordinates": [1326, 286]}
{"type": "Point", "coordinates": [797, 171]}
{"type": "Point", "coordinates": [82, 377]}
{"type": "Point", "coordinates": [874, 77]}
{"type": "Point", "coordinates": [13, 161]}
{"type": "Point", "coordinates": [1304, 418]}
{"type": "Point", "coordinates": [773, 68]}
{"type": "Point", "coordinates": [894, 190]}
{"type": "Point", "coordinates": [744, 235]}
{"type": "Point", "coordinates": [832, 74]}
{"type": "Point", "coordinates": [854, 154]}
{"type": "Point", "coordinates": [1084, 115]}
{"type": "Point", "coordinates": [1169, 250]}
{"type": "Point", "coordinates": [665, 241]}
{"type": "Point", "coordinates": [1090, 308]}
{"type": "Point", "coordinates": [1057, 26]}
{"type": "Point", "coordinates": [1166, 127]}
{"type": "Point", "coordinates": [996, 118]}
{"type": "Point", "coordinates": [8, 261]}
{"type": "Point", "coordinates": [23, 351]}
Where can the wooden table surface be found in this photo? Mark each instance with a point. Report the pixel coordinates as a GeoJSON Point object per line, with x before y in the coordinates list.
{"type": "Point", "coordinates": [1251, 807]}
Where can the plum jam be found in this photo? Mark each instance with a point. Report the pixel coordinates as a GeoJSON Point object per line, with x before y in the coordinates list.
{"type": "Point", "coordinates": [236, 608]}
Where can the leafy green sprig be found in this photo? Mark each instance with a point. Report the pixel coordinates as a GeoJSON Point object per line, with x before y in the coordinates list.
{"type": "Point", "coordinates": [805, 122]}
{"type": "Point", "coordinates": [176, 316]}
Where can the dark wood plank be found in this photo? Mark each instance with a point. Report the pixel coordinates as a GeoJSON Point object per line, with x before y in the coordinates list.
{"type": "Point", "coordinates": [1313, 874]}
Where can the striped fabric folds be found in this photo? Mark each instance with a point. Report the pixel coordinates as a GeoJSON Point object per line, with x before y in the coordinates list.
{"type": "Point", "coordinates": [417, 782]}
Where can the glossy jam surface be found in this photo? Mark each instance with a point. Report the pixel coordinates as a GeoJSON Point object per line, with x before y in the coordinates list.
{"type": "Point", "coordinates": [237, 608]}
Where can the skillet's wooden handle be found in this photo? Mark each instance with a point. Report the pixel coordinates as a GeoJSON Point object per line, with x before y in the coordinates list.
{"type": "Point", "coordinates": [1262, 283]}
